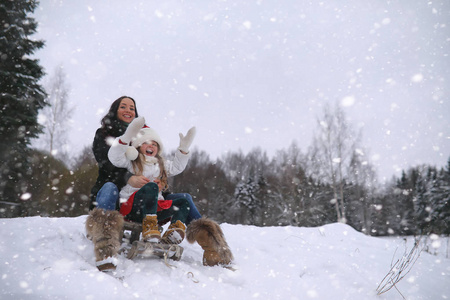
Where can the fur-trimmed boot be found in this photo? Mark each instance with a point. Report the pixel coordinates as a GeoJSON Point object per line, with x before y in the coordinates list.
{"type": "Point", "coordinates": [175, 233]}
{"type": "Point", "coordinates": [150, 232]}
{"type": "Point", "coordinates": [104, 228]}
{"type": "Point", "coordinates": [210, 237]}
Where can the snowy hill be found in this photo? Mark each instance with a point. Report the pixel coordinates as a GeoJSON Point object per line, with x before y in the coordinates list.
{"type": "Point", "coordinates": [50, 258]}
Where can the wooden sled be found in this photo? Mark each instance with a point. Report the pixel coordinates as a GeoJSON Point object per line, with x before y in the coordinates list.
{"type": "Point", "coordinates": [132, 247]}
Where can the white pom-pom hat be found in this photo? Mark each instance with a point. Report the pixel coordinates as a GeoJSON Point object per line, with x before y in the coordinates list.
{"type": "Point", "coordinates": [145, 135]}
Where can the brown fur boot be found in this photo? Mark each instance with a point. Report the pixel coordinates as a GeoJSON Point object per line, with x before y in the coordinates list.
{"type": "Point", "coordinates": [150, 232]}
{"type": "Point", "coordinates": [209, 236]}
{"type": "Point", "coordinates": [175, 233]}
{"type": "Point", "coordinates": [104, 228]}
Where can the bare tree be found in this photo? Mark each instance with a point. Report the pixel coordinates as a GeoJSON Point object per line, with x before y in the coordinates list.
{"type": "Point", "coordinates": [362, 175]}
{"type": "Point", "coordinates": [56, 116]}
{"type": "Point", "coordinates": [331, 151]}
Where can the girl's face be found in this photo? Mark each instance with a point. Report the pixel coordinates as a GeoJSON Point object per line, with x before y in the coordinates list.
{"type": "Point", "coordinates": [149, 148]}
{"type": "Point", "coordinates": [126, 111]}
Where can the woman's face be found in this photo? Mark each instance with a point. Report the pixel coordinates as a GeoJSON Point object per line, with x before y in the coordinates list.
{"type": "Point", "coordinates": [149, 148]}
{"type": "Point", "coordinates": [126, 111]}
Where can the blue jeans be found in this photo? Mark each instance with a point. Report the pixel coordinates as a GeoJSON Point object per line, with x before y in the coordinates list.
{"type": "Point", "coordinates": [108, 196]}
{"type": "Point", "coordinates": [193, 211]}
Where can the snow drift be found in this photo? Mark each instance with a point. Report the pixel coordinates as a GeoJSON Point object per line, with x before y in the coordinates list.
{"type": "Point", "coordinates": [50, 258]}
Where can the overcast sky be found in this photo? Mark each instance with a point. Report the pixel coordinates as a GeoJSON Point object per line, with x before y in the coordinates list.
{"type": "Point", "coordinates": [258, 73]}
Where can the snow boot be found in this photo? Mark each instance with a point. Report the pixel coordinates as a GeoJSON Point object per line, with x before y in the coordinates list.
{"type": "Point", "coordinates": [210, 237]}
{"type": "Point", "coordinates": [175, 233]}
{"type": "Point", "coordinates": [104, 228]}
{"type": "Point", "coordinates": [150, 232]}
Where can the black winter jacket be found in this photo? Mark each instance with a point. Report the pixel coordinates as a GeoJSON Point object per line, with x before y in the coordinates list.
{"type": "Point", "coordinates": [107, 172]}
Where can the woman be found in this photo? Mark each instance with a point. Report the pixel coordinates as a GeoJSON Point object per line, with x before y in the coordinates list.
{"type": "Point", "coordinates": [105, 193]}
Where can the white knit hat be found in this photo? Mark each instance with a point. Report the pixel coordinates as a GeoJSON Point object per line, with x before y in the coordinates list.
{"type": "Point", "coordinates": [146, 134]}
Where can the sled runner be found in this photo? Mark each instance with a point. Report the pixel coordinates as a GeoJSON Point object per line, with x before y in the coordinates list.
{"type": "Point", "coordinates": [133, 247]}
{"type": "Point", "coordinates": [149, 249]}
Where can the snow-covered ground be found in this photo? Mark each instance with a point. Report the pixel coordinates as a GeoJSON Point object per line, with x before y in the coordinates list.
{"type": "Point", "coordinates": [50, 258]}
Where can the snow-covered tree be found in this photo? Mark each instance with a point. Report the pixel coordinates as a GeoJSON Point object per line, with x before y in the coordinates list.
{"type": "Point", "coordinates": [440, 217]}
{"type": "Point", "coordinates": [432, 200]}
{"type": "Point", "coordinates": [403, 198]}
{"type": "Point", "coordinates": [246, 204]}
{"type": "Point", "coordinates": [21, 95]}
{"type": "Point", "coordinates": [423, 207]}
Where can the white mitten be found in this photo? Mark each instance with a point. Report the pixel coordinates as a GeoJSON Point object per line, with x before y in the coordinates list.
{"type": "Point", "coordinates": [186, 141]}
{"type": "Point", "coordinates": [132, 130]}
{"type": "Point", "coordinates": [131, 153]}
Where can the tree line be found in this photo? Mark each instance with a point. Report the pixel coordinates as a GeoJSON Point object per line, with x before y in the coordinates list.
{"type": "Point", "coordinates": [332, 181]}
{"type": "Point", "coordinates": [252, 189]}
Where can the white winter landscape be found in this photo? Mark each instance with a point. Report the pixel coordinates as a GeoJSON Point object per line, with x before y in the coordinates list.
{"type": "Point", "coordinates": [51, 258]}
{"type": "Point", "coordinates": [255, 73]}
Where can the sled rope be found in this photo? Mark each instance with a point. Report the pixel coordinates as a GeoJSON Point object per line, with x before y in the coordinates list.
{"type": "Point", "coordinates": [166, 254]}
{"type": "Point", "coordinates": [229, 268]}
{"type": "Point", "coordinates": [190, 275]}
{"type": "Point", "coordinates": [192, 278]}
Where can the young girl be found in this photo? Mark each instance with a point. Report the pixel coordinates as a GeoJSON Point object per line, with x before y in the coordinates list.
{"type": "Point", "coordinates": [146, 204]}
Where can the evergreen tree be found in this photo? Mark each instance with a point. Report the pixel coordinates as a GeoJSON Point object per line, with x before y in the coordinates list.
{"type": "Point", "coordinates": [21, 95]}
{"type": "Point", "coordinates": [403, 198]}
{"type": "Point", "coordinates": [440, 216]}
{"type": "Point", "coordinates": [423, 189]}
{"type": "Point", "coordinates": [384, 216]}
{"type": "Point", "coordinates": [247, 205]}
{"type": "Point", "coordinates": [265, 205]}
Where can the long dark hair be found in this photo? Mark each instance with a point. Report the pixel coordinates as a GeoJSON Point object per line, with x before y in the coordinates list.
{"type": "Point", "coordinates": [111, 125]}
